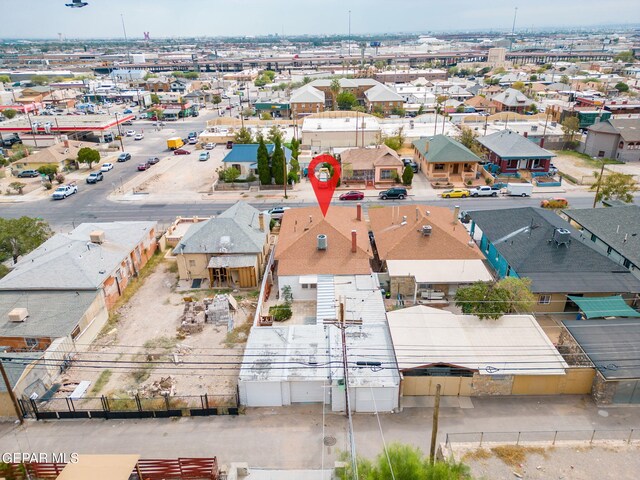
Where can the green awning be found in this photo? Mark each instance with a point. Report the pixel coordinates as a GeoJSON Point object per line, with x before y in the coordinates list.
{"type": "Point", "coordinates": [600, 307]}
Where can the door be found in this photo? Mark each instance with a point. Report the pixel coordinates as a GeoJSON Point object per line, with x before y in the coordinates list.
{"type": "Point", "coordinates": [306, 392]}
{"type": "Point", "coordinates": [456, 168]}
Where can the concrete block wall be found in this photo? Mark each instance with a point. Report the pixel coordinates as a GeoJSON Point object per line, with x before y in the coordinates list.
{"type": "Point", "coordinates": [490, 385]}
{"type": "Point", "coordinates": [603, 391]}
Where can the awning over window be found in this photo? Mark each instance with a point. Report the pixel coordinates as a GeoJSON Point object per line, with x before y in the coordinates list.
{"type": "Point", "coordinates": [309, 280]}
{"type": "Point", "coordinates": [600, 307]}
{"type": "Point", "coordinates": [232, 261]}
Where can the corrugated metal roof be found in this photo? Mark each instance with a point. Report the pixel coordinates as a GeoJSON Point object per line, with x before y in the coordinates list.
{"type": "Point", "coordinates": [326, 304]}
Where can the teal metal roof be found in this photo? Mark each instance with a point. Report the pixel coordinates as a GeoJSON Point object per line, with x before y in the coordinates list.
{"type": "Point", "coordinates": [600, 307]}
{"type": "Point", "coordinates": [442, 149]}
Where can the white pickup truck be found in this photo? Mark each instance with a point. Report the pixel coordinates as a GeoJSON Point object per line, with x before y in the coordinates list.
{"type": "Point", "coordinates": [483, 191]}
{"type": "Point", "coordinates": [63, 191]}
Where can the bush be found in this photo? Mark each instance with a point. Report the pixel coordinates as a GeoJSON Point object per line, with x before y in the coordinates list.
{"type": "Point", "coordinates": [59, 179]}
{"type": "Point", "coordinates": [469, 182]}
{"type": "Point", "coordinates": [272, 224]}
{"type": "Point", "coordinates": [47, 185]}
{"type": "Point", "coordinates": [280, 313]}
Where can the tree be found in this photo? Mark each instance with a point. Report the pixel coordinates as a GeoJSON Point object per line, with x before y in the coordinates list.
{"type": "Point", "coordinates": [570, 126]}
{"type": "Point", "coordinates": [335, 89]}
{"type": "Point", "coordinates": [469, 139]}
{"type": "Point", "coordinates": [191, 75]}
{"type": "Point", "coordinates": [620, 86]}
{"type": "Point", "coordinates": [407, 176]}
{"type": "Point", "coordinates": [3, 270]}
{"type": "Point", "coordinates": [483, 299]}
{"type": "Point", "coordinates": [88, 155]}
{"type": "Point", "coordinates": [157, 112]}
{"type": "Point", "coordinates": [149, 75]}
{"type": "Point", "coordinates": [346, 100]}
{"type": "Point", "coordinates": [518, 86]}
{"type": "Point", "coordinates": [10, 113]}
{"type": "Point", "coordinates": [533, 78]}
{"type": "Point", "coordinates": [306, 80]}
{"type": "Point", "coordinates": [295, 151]}
{"type": "Point", "coordinates": [264, 170]}
{"type": "Point", "coordinates": [519, 294]}
{"type": "Point", "coordinates": [278, 163]}
{"type": "Point", "coordinates": [377, 111]}
{"type": "Point", "coordinates": [5, 79]}
{"type": "Point", "coordinates": [533, 108]}
{"type": "Point", "coordinates": [565, 79]}
{"type": "Point", "coordinates": [396, 141]}
{"type": "Point", "coordinates": [155, 99]}
{"type": "Point", "coordinates": [19, 236]}
{"type": "Point", "coordinates": [421, 110]}
{"type": "Point", "coordinates": [615, 186]}
{"type": "Point", "coordinates": [243, 136]}
{"type": "Point", "coordinates": [407, 463]}
{"type": "Point", "coordinates": [40, 80]}
{"type": "Point", "coordinates": [17, 186]}
{"type": "Point", "coordinates": [247, 112]}
{"type": "Point", "coordinates": [229, 175]}
{"type": "Point", "coordinates": [625, 57]}
{"type": "Point", "coordinates": [216, 99]}
{"type": "Point", "coordinates": [49, 171]}
{"type": "Point", "coordinates": [275, 134]}
{"type": "Point", "coordinates": [398, 111]}
{"type": "Point", "coordinates": [266, 116]}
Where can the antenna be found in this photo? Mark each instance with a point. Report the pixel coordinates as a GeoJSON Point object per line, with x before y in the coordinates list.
{"type": "Point", "coordinates": [513, 28]}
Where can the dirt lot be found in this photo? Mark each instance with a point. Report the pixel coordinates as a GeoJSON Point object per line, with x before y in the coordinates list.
{"type": "Point", "coordinates": [146, 330]}
{"type": "Point", "coordinates": [602, 461]}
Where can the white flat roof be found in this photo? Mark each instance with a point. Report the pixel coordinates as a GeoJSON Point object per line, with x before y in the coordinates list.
{"type": "Point", "coordinates": [511, 345]}
{"type": "Point", "coordinates": [340, 124]}
{"type": "Point", "coordinates": [440, 271]}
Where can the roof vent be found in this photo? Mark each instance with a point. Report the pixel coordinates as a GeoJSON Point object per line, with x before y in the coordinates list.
{"type": "Point", "coordinates": [426, 230]}
{"type": "Point", "coordinates": [97, 236]}
{"type": "Point", "coordinates": [322, 242]}
{"type": "Point", "coordinates": [18, 315]}
{"type": "Point", "coordinates": [562, 236]}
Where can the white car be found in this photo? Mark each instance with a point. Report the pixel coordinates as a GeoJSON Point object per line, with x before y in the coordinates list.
{"type": "Point", "coordinates": [139, 136]}
{"type": "Point", "coordinates": [276, 212]}
{"type": "Point", "coordinates": [106, 167]}
{"type": "Point", "coordinates": [210, 146]}
{"type": "Point", "coordinates": [193, 140]}
{"type": "Point", "coordinates": [130, 133]}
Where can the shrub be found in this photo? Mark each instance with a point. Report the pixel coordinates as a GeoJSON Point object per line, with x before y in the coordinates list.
{"type": "Point", "coordinates": [469, 182]}
{"type": "Point", "coordinates": [280, 313]}
{"type": "Point", "coordinates": [47, 185]}
{"type": "Point", "coordinates": [59, 179]}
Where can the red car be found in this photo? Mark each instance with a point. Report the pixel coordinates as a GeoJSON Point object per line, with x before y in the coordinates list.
{"type": "Point", "coordinates": [181, 151]}
{"type": "Point", "coordinates": [143, 166]}
{"type": "Point", "coordinates": [354, 195]}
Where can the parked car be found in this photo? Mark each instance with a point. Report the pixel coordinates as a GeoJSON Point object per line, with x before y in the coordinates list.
{"type": "Point", "coordinates": [63, 191]}
{"type": "Point", "coordinates": [229, 145]}
{"type": "Point", "coordinates": [210, 146]}
{"type": "Point", "coordinates": [124, 156]}
{"type": "Point", "coordinates": [204, 156]}
{"type": "Point", "coordinates": [192, 140]}
{"type": "Point", "coordinates": [553, 170]}
{"type": "Point", "coordinates": [106, 167]}
{"type": "Point", "coordinates": [127, 111]}
{"type": "Point", "coordinates": [139, 136]}
{"type": "Point", "coordinates": [153, 160]}
{"type": "Point", "coordinates": [192, 135]}
{"type": "Point", "coordinates": [127, 123]}
{"type": "Point", "coordinates": [181, 151]}
{"type": "Point", "coordinates": [555, 202]}
{"type": "Point", "coordinates": [456, 193]}
{"type": "Point", "coordinates": [130, 133]}
{"type": "Point", "coordinates": [483, 191]}
{"type": "Point", "coordinates": [28, 174]}
{"type": "Point", "coordinates": [144, 166]}
{"type": "Point", "coordinates": [158, 124]}
{"type": "Point", "coordinates": [95, 177]}
{"type": "Point", "coordinates": [396, 192]}
{"type": "Point", "coordinates": [276, 212]}
{"type": "Point", "coordinates": [353, 195]}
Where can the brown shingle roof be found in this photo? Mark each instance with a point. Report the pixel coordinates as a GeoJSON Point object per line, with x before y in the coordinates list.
{"type": "Point", "coordinates": [479, 101]}
{"type": "Point", "coordinates": [369, 158]}
{"type": "Point", "coordinates": [297, 252]}
{"type": "Point", "coordinates": [58, 153]}
{"type": "Point", "coordinates": [448, 240]}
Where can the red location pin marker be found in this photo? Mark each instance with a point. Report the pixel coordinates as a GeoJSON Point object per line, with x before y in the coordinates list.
{"type": "Point", "coordinates": [324, 184]}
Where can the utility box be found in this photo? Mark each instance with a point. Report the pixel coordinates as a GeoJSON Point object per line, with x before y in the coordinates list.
{"type": "Point", "coordinates": [18, 315]}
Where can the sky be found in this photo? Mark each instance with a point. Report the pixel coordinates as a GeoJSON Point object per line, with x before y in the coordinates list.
{"type": "Point", "coordinates": [189, 18]}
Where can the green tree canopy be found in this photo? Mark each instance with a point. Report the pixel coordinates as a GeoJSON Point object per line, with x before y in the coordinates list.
{"type": "Point", "coordinates": [626, 57]}
{"type": "Point", "coordinates": [10, 113]}
{"type": "Point", "coordinates": [49, 171]}
{"type": "Point", "coordinates": [275, 134]}
{"type": "Point", "coordinates": [518, 86]}
{"type": "Point", "coordinates": [469, 138]}
{"type": "Point", "coordinates": [407, 176]}
{"type": "Point", "coordinates": [483, 299]}
{"type": "Point", "coordinates": [565, 79]}
{"type": "Point", "coordinates": [40, 80]}
{"type": "Point", "coordinates": [216, 99]}
{"type": "Point", "coordinates": [88, 155]}
{"type": "Point", "coordinates": [243, 136]}
{"type": "Point", "coordinates": [395, 142]}
{"type": "Point", "coordinates": [278, 163]}
{"type": "Point", "coordinates": [570, 126]}
{"type": "Point", "coordinates": [155, 99]}
{"type": "Point", "coordinates": [614, 186]}
{"type": "Point", "coordinates": [230, 174]}
{"type": "Point", "coordinates": [335, 89]}
{"type": "Point", "coordinates": [346, 100]}
{"type": "Point", "coordinates": [19, 236]}
{"type": "Point", "coordinates": [5, 79]}
{"type": "Point", "coordinates": [264, 170]}
{"type": "Point", "coordinates": [622, 87]}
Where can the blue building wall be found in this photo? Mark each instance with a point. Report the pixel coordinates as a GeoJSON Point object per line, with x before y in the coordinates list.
{"type": "Point", "coordinates": [497, 261]}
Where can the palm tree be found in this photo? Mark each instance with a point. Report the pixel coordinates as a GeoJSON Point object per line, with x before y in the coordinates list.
{"type": "Point", "coordinates": [335, 91]}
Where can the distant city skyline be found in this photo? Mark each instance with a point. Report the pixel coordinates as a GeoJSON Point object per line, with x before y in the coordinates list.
{"type": "Point", "coordinates": [191, 18]}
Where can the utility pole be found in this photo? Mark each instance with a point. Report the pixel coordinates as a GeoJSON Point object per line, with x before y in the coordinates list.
{"type": "Point", "coordinates": [434, 428]}
{"type": "Point", "coordinates": [342, 326]}
{"type": "Point", "coordinates": [595, 199]}
{"type": "Point", "coordinates": [14, 400]}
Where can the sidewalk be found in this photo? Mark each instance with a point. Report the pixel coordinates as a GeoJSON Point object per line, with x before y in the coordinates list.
{"type": "Point", "coordinates": [292, 437]}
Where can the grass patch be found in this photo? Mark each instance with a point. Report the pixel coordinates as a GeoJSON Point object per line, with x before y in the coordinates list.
{"type": "Point", "coordinates": [173, 267]}
{"type": "Point", "coordinates": [587, 160]}
{"type": "Point", "coordinates": [514, 455]}
{"type": "Point", "coordinates": [160, 343]}
{"type": "Point", "coordinates": [101, 381]}
{"type": "Point", "coordinates": [132, 288]}
{"type": "Point", "coordinates": [238, 334]}
{"type": "Point", "coordinates": [142, 374]}
{"type": "Point", "coordinates": [477, 454]}
{"type": "Point", "coordinates": [253, 294]}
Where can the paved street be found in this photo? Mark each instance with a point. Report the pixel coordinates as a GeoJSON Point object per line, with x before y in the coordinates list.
{"type": "Point", "coordinates": [292, 437]}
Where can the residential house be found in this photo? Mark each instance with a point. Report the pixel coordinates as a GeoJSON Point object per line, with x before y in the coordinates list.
{"type": "Point", "coordinates": [511, 100]}
{"type": "Point", "coordinates": [311, 245]}
{"type": "Point", "coordinates": [403, 76]}
{"type": "Point", "coordinates": [357, 86]}
{"type": "Point", "coordinates": [424, 252]}
{"type": "Point", "coordinates": [244, 157]}
{"type": "Point", "coordinates": [158, 84]}
{"type": "Point", "coordinates": [443, 159]}
{"type": "Point", "coordinates": [467, 356]}
{"type": "Point", "coordinates": [381, 99]}
{"type": "Point", "coordinates": [371, 165]}
{"type": "Point", "coordinates": [458, 93]}
{"type": "Point", "coordinates": [65, 98]}
{"type": "Point", "coordinates": [93, 257]}
{"type": "Point", "coordinates": [617, 138]}
{"type": "Point", "coordinates": [614, 231]}
{"type": "Point", "coordinates": [33, 94]}
{"type": "Point", "coordinates": [537, 244]}
{"type": "Point", "coordinates": [511, 152]}
{"type": "Point", "coordinates": [481, 104]}
{"type": "Point", "coordinates": [62, 155]}
{"type": "Point", "coordinates": [229, 250]}
{"type": "Point", "coordinates": [180, 85]}
{"type": "Point", "coordinates": [307, 100]}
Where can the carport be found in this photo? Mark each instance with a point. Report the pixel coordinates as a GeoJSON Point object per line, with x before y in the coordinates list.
{"type": "Point", "coordinates": [601, 307]}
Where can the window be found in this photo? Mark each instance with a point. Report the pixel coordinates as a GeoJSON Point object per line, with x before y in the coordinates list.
{"type": "Point", "coordinates": [309, 285]}
{"type": "Point", "coordinates": [536, 163]}
{"type": "Point", "coordinates": [626, 263]}
{"type": "Point", "coordinates": [512, 164]}
{"type": "Point", "coordinates": [192, 263]}
{"type": "Point", "coordinates": [438, 166]}
{"type": "Point", "coordinates": [425, 286]}
{"type": "Point", "coordinates": [544, 299]}
{"type": "Point", "coordinates": [609, 250]}
{"type": "Point", "coordinates": [593, 237]}
{"type": "Point", "coordinates": [386, 174]}
{"type": "Point", "coordinates": [601, 153]}
{"type": "Point", "coordinates": [31, 342]}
